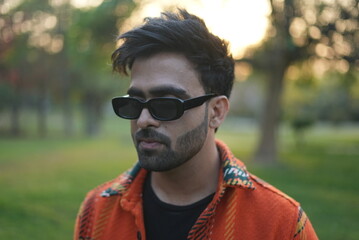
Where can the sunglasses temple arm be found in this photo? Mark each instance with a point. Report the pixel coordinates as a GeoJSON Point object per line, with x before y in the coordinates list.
{"type": "Point", "coordinates": [195, 102]}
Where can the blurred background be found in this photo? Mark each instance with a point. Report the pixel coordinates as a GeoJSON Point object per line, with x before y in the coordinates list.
{"type": "Point", "coordinates": [294, 116]}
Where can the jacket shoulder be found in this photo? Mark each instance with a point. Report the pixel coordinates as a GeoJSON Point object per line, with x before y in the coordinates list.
{"type": "Point", "coordinates": [98, 200]}
{"type": "Point", "coordinates": [271, 192]}
{"type": "Point", "coordinates": [94, 197]}
{"type": "Point", "coordinates": [117, 186]}
{"type": "Point", "coordinates": [287, 210]}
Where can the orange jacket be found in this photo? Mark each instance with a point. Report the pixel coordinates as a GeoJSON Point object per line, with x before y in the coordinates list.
{"type": "Point", "coordinates": [244, 207]}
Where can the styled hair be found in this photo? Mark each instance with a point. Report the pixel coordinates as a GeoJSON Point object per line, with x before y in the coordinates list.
{"type": "Point", "coordinates": [182, 33]}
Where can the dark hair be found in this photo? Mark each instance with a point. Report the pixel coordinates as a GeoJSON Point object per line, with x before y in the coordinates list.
{"type": "Point", "coordinates": [181, 33]}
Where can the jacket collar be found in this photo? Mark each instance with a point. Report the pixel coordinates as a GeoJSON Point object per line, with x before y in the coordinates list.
{"type": "Point", "coordinates": [234, 174]}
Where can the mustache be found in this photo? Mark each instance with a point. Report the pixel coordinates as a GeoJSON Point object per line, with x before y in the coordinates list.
{"type": "Point", "coordinates": [149, 133]}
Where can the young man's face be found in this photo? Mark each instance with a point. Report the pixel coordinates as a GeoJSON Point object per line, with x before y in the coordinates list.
{"type": "Point", "coordinates": [165, 145]}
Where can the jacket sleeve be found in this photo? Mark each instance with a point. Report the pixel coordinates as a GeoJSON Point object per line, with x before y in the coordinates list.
{"type": "Point", "coordinates": [77, 225]}
{"type": "Point", "coordinates": [83, 225]}
{"type": "Point", "coordinates": [304, 229]}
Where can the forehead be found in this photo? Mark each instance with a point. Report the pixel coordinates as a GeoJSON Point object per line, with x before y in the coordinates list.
{"type": "Point", "coordinates": [165, 73]}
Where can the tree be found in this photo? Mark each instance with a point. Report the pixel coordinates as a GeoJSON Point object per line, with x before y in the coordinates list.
{"type": "Point", "coordinates": [27, 40]}
{"type": "Point", "coordinates": [91, 38]}
{"type": "Point", "coordinates": [52, 49]}
{"type": "Point", "coordinates": [323, 33]}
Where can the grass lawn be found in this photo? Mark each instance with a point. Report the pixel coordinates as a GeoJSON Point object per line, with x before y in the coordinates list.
{"type": "Point", "coordinates": [43, 181]}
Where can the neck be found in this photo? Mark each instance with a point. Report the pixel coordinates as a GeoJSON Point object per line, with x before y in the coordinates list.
{"type": "Point", "coordinates": [192, 181]}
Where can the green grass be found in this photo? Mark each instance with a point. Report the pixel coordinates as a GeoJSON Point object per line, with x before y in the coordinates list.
{"type": "Point", "coordinates": [42, 188]}
{"type": "Point", "coordinates": [323, 175]}
{"type": "Point", "coordinates": [43, 181]}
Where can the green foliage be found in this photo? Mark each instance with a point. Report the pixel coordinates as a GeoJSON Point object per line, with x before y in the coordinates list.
{"type": "Point", "coordinates": [61, 54]}
{"type": "Point", "coordinates": [91, 40]}
{"type": "Point", "coordinates": [331, 99]}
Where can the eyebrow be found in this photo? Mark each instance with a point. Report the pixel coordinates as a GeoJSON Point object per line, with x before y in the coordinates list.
{"type": "Point", "coordinates": [160, 91]}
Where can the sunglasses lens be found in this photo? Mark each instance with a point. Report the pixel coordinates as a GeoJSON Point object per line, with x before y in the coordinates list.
{"type": "Point", "coordinates": [128, 108]}
{"type": "Point", "coordinates": [165, 109]}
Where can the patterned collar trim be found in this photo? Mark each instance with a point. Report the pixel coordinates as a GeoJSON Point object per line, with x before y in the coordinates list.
{"type": "Point", "coordinates": [235, 173]}
{"type": "Point", "coordinates": [123, 182]}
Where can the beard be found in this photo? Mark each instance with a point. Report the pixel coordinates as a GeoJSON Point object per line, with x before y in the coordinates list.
{"type": "Point", "coordinates": [186, 147]}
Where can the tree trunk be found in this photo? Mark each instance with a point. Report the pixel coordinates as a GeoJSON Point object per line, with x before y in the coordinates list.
{"type": "Point", "coordinates": [15, 118]}
{"type": "Point", "coordinates": [42, 111]}
{"type": "Point", "coordinates": [277, 62]}
{"type": "Point", "coordinates": [68, 116]}
{"type": "Point", "coordinates": [267, 150]}
{"type": "Point", "coordinates": [15, 129]}
{"type": "Point", "coordinates": [92, 114]}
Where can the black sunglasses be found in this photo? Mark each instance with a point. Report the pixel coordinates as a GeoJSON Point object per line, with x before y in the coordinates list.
{"type": "Point", "coordinates": [163, 108]}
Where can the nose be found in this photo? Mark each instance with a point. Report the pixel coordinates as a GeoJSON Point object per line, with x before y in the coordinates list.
{"type": "Point", "coordinates": [146, 120]}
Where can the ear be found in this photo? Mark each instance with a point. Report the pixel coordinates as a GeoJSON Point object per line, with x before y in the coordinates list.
{"type": "Point", "coordinates": [219, 107]}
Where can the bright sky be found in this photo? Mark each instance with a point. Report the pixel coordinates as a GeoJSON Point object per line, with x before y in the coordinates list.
{"type": "Point", "coordinates": [241, 22]}
{"type": "Point", "coordinates": [84, 3]}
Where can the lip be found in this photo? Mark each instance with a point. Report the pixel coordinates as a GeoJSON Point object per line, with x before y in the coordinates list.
{"type": "Point", "coordinates": [149, 144]}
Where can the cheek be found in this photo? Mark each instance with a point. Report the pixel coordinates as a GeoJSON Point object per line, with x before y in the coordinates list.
{"type": "Point", "coordinates": [133, 124]}
{"type": "Point", "coordinates": [194, 117]}
{"type": "Point", "coordinates": [187, 123]}
{"type": "Point", "coordinates": [133, 127]}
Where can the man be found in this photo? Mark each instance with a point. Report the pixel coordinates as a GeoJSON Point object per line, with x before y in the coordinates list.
{"type": "Point", "coordinates": [186, 184]}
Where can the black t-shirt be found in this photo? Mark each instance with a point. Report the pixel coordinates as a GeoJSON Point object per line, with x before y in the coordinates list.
{"type": "Point", "coordinates": [165, 221]}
